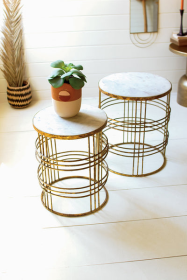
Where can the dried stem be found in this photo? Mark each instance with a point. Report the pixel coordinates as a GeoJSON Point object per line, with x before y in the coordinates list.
{"type": "Point", "coordinates": [12, 44]}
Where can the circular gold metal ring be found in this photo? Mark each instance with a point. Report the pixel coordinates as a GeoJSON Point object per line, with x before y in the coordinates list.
{"type": "Point", "coordinates": [144, 174]}
{"type": "Point", "coordinates": [79, 214]}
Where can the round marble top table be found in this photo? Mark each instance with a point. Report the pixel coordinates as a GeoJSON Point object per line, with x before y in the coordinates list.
{"type": "Point", "coordinates": [134, 86]}
{"type": "Point", "coordinates": [87, 122]}
{"type": "Point", "coordinates": [138, 109]}
{"type": "Point", "coordinates": [72, 174]}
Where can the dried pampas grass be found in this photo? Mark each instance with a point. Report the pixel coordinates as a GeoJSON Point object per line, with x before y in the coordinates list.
{"type": "Point", "coordinates": [12, 44]}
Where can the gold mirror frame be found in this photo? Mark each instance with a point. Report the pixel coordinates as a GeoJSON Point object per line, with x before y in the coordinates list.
{"type": "Point", "coordinates": [139, 39]}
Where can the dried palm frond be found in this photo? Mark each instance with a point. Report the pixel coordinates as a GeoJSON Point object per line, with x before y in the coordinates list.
{"type": "Point", "coordinates": [12, 44]}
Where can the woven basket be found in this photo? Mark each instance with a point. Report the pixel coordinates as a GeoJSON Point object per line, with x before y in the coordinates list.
{"type": "Point", "coordinates": [19, 97]}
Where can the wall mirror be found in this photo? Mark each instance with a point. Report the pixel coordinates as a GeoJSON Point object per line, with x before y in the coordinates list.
{"type": "Point", "coordinates": [143, 16]}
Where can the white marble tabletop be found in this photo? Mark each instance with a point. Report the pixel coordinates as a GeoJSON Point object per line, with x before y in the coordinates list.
{"type": "Point", "coordinates": [87, 122]}
{"type": "Point", "coordinates": [134, 85]}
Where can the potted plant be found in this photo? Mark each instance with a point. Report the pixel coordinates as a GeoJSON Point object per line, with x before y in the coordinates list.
{"type": "Point", "coordinates": [66, 88]}
{"type": "Point", "coordinates": [12, 56]}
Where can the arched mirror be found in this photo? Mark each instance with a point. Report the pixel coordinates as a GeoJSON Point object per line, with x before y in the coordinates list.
{"type": "Point", "coordinates": [143, 16]}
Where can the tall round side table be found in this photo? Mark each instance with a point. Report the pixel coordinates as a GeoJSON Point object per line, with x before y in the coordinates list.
{"type": "Point", "coordinates": [182, 84]}
{"type": "Point", "coordinates": [72, 171]}
{"type": "Point", "coordinates": [138, 109]}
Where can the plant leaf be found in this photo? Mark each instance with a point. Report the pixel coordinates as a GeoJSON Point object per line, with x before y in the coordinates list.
{"type": "Point", "coordinates": [56, 82]}
{"type": "Point", "coordinates": [68, 74]}
{"type": "Point", "coordinates": [79, 74]}
{"type": "Point", "coordinates": [70, 66]}
{"type": "Point", "coordinates": [75, 71]}
{"type": "Point", "coordinates": [81, 77]}
{"type": "Point", "coordinates": [78, 67]}
{"type": "Point", "coordinates": [57, 64]}
{"type": "Point", "coordinates": [76, 83]}
{"type": "Point", "coordinates": [55, 73]}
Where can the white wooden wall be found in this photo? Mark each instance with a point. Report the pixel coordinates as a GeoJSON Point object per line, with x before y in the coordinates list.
{"type": "Point", "coordinates": [95, 34]}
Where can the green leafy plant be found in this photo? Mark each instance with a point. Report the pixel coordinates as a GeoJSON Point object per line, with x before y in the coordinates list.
{"type": "Point", "coordinates": [67, 73]}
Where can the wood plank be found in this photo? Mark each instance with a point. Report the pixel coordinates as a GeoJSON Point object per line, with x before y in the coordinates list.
{"type": "Point", "coordinates": [94, 244]}
{"type": "Point", "coordinates": [162, 269]}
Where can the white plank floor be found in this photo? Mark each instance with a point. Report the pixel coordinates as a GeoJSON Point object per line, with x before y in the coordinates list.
{"type": "Point", "coordinates": [141, 233]}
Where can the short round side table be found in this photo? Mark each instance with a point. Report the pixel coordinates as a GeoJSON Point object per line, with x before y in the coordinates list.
{"type": "Point", "coordinates": [182, 84]}
{"type": "Point", "coordinates": [138, 109]}
{"type": "Point", "coordinates": [72, 171]}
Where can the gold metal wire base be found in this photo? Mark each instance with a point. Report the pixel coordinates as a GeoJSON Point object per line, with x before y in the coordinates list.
{"type": "Point", "coordinates": [141, 174]}
{"type": "Point", "coordinates": [140, 131]}
{"type": "Point", "coordinates": [80, 214]}
{"type": "Point", "coordinates": [55, 165]}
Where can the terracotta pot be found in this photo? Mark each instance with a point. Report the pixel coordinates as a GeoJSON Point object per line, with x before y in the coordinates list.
{"type": "Point", "coordinates": [66, 100]}
{"type": "Point", "coordinates": [19, 97]}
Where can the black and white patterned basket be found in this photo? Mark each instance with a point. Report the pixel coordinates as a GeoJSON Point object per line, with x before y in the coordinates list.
{"type": "Point", "coordinates": [19, 97]}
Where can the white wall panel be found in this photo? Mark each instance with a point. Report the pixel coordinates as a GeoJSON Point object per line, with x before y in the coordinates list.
{"type": "Point", "coordinates": [68, 24]}
{"type": "Point", "coordinates": [112, 66]}
{"type": "Point", "coordinates": [95, 34]}
{"type": "Point", "coordinates": [105, 67]}
{"type": "Point", "coordinates": [83, 38]}
{"type": "Point", "coordinates": [83, 53]}
{"type": "Point", "coordinates": [170, 6]}
{"type": "Point", "coordinates": [59, 8]}
{"type": "Point", "coordinates": [93, 23]}
{"type": "Point", "coordinates": [87, 38]}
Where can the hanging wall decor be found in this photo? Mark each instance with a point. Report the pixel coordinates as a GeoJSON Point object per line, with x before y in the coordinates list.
{"type": "Point", "coordinates": [143, 22]}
